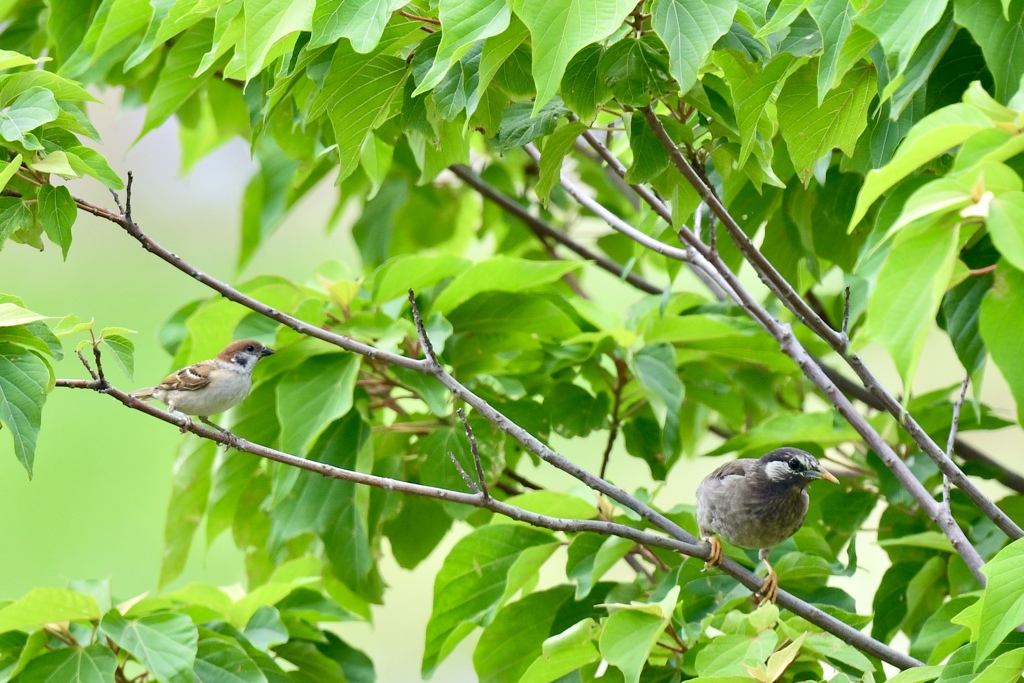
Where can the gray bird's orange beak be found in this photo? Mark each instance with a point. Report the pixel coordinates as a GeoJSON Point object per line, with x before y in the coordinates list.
{"type": "Point", "coordinates": [822, 473]}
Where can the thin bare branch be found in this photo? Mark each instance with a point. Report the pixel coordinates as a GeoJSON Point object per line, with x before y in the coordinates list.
{"type": "Point", "coordinates": [462, 471]}
{"type": "Point", "coordinates": [474, 448]}
{"type": "Point", "coordinates": [543, 229]}
{"type": "Point", "coordinates": [690, 548]}
{"type": "Point", "coordinates": [428, 347]}
{"type": "Point", "coordinates": [846, 314]}
{"type": "Point", "coordinates": [954, 425]}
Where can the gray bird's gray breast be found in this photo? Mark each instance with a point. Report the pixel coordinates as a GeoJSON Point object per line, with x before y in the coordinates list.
{"type": "Point", "coordinates": [747, 518]}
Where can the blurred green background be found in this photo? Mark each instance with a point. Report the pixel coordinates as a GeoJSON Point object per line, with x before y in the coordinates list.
{"type": "Point", "coordinates": [96, 506]}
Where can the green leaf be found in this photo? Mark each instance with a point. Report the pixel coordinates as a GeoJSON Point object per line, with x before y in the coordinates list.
{"type": "Point", "coordinates": [908, 292]}
{"type": "Point", "coordinates": [416, 272]}
{"type": "Point", "coordinates": [636, 70]}
{"type": "Point", "coordinates": [1002, 324]}
{"type": "Point", "coordinates": [337, 511]}
{"type": "Point", "coordinates": [463, 23]}
{"type": "Point", "coordinates": [582, 90]}
{"type": "Point", "coordinates": [565, 652]}
{"type": "Point", "coordinates": [572, 410]}
{"type": "Point", "coordinates": [189, 494]}
{"type": "Point", "coordinates": [14, 216]}
{"type": "Point", "coordinates": [165, 643]}
{"type": "Point", "coordinates": [46, 605]}
{"type": "Point", "coordinates": [1001, 41]}
{"type": "Point", "coordinates": [753, 86]}
{"type": "Point", "coordinates": [933, 135]}
{"type": "Point", "coordinates": [833, 18]}
{"type": "Point", "coordinates": [655, 369]}
{"type": "Point", "coordinates": [220, 660]}
{"type": "Point", "coordinates": [555, 504]}
{"type": "Point", "coordinates": [57, 212]}
{"type": "Point", "coordinates": [176, 84]}
{"type": "Point", "coordinates": [361, 21]}
{"type": "Point", "coordinates": [1002, 603]}
{"type": "Point", "coordinates": [93, 664]}
{"type": "Point", "coordinates": [1006, 225]}
{"type": "Point", "coordinates": [357, 96]}
{"type": "Point", "coordinates": [558, 144]}
{"type": "Point", "coordinates": [123, 350]}
{"type": "Point", "coordinates": [649, 156]}
{"type": "Point", "coordinates": [1006, 668]}
{"type": "Point", "coordinates": [900, 25]}
{"type": "Point", "coordinates": [726, 655]}
{"type": "Point", "coordinates": [500, 274]}
{"type": "Point", "coordinates": [471, 583]}
{"type": "Point", "coordinates": [920, 674]}
{"type": "Point", "coordinates": [961, 310]}
{"type": "Point", "coordinates": [514, 639]}
{"type": "Point", "coordinates": [31, 109]}
{"type": "Point", "coordinates": [629, 635]}
{"type": "Point", "coordinates": [522, 123]}
{"type": "Point", "coordinates": [9, 169]}
{"type": "Point", "coordinates": [560, 30]}
{"type": "Point", "coordinates": [809, 130]}
{"type": "Point", "coordinates": [10, 59]}
{"type": "Point", "coordinates": [590, 557]}
{"type": "Point", "coordinates": [419, 527]}
{"type": "Point", "coordinates": [12, 314]}
{"type": "Point", "coordinates": [313, 395]}
{"type": "Point", "coordinates": [690, 28]}
{"type": "Point", "coordinates": [266, 23]}
{"type": "Point", "coordinates": [24, 381]}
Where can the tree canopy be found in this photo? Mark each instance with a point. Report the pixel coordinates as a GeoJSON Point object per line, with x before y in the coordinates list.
{"type": "Point", "coordinates": [772, 185]}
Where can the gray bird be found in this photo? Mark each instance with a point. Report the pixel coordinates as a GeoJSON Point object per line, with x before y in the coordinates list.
{"type": "Point", "coordinates": [757, 504]}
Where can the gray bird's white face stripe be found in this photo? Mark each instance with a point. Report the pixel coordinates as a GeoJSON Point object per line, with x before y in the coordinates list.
{"type": "Point", "coordinates": [778, 470]}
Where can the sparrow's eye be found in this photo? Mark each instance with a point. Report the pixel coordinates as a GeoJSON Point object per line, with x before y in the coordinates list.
{"type": "Point", "coordinates": [250, 348]}
{"type": "Point", "coordinates": [794, 465]}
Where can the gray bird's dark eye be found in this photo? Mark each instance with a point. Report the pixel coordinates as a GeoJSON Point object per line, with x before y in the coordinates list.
{"type": "Point", "coordinates": [250, 348]}
{"type": "Point", "coordinates": [794, 465]}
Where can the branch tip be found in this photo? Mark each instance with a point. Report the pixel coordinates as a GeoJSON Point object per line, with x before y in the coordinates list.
{"type": "Point", "coordinates": [475, 450]}
{"type": "Point", "coordinates": [428, 348]}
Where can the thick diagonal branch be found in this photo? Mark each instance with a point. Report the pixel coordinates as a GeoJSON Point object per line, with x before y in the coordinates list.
{"type": "Point", "coordinates": [700, 254]}
{"type": "Point", "coordinates": [690, 548]}
{"type": "Point", "coordinates": [837, 340]}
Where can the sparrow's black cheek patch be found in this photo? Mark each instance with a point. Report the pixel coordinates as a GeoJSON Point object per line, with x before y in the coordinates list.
{"type": "Point", "coordinates": [242, 360]}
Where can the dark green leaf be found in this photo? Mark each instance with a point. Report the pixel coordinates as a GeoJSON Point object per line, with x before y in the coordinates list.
{"type": "Point", "coordinates": [57, 212]}
{"type": "Point", "coordinates": [519, 125]}
{"type": "Point", "coordinates": [24, 381]}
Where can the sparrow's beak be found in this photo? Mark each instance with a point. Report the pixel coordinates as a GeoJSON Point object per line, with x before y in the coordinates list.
{"type": "Point", "coordinates": [822, 473]}
{"type": "Point", "coordinates": [267, 351]}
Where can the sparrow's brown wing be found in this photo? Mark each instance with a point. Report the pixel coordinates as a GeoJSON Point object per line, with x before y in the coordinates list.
{"type": "Point", "coordinates": [191, 378]}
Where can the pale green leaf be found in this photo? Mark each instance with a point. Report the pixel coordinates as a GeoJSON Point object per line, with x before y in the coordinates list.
{"type": "Point", "coordinates": [357, 96]}
{"type": "Point", "coordinates": [46, 605]}
{"type": "Point", "coordinates": [500, 274]}
{"type": "Point", "coordinates": [361, 21]}
{"type": "Point", "coordinates": [564, 653]}
{"type": "Point", "coordinates": [558, 144]}
{"type": "Point", "coordinates": [560, 29]}
{"type": "Point", "coordinates": [900, 25]}
{"type": "Point", "coordinates": [811, 131]}
{"type": "Point", "coordinates": [93, 664]}
{"type": "Point", "coordinates": [1002, 604]}
{"type": "Point", "coordinates": [9, 169]}
{"type": "Point", "coordinates": [555, 504]}
{"type": "Point", "coordinates": [31, 109]}
{"type": "Point", "coordinates": [690, 28]}
{"type": "Point", "coordinates": [470, 584]}
{"type": "Point", "coordinates": [165, 643]}
{"type": "Point", "coordinates": [834, 19]}
{"type": "Point", "coordinates": [123, 351]}
{"type": "Point", "coordinates": [908, 292]}
{"type": "Point", "coordinates": [463, 23]}
{"type": "Point", "coordinates": [933, 135]}
{"type": "Point", "coordinates": [1006, 225]}
{"type": "Point", "coordinates": [266, 23]}
{"type": "Point", "coordinates": [176, 83]}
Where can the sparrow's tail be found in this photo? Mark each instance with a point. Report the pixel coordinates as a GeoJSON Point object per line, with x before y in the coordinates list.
{"type": "Point", "coordinates": [143, 394]}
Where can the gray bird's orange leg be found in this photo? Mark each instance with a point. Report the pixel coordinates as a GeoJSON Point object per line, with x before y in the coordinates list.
{"type": "Point", "coordinates": [769, 590]}
{"type": "Point", "coordinates": [716, 552]}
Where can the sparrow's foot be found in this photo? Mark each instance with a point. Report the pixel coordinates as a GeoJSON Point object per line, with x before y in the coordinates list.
{"type": "Point", "coordinates": [716, 552]}
{"type": "Point", "coordinates": [232, 440]}
{"type": "Point", "coordinates": [769, 591]}
{"type": "Point", "coordinates": [186, 424]}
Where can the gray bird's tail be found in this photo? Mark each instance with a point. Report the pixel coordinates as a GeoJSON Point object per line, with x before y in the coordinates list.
{"type": "Point", "coordinates": [143, 394]}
